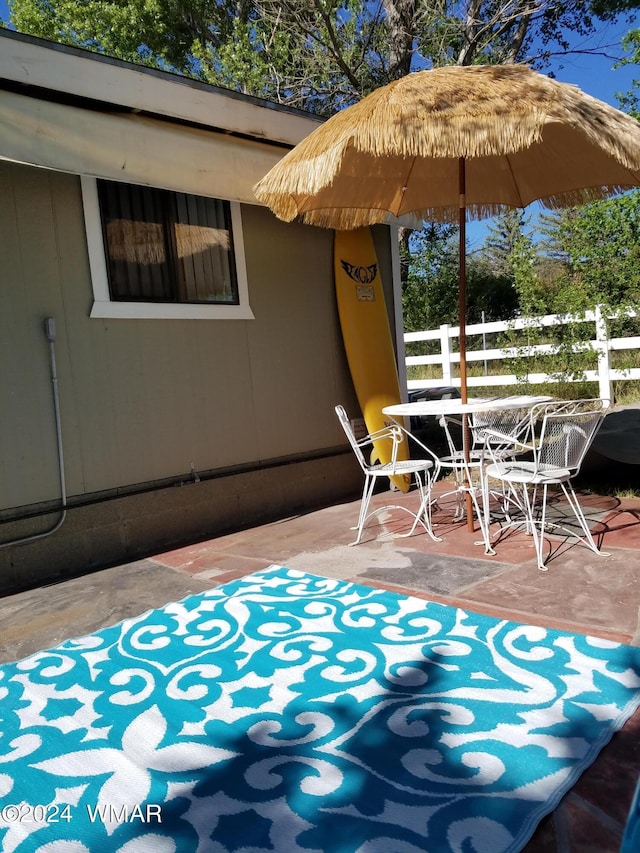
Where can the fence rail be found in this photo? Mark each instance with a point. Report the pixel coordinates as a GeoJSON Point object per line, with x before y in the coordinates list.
{"type": "Point", "coordinates": [601, 345]}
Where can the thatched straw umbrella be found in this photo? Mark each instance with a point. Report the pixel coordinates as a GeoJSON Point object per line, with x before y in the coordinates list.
{"type": "Point", "coordinates": [456, 142]}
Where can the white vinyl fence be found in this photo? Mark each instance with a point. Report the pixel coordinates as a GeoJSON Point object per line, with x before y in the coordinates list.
{"type": "Point", "coordinates": [601, 345]}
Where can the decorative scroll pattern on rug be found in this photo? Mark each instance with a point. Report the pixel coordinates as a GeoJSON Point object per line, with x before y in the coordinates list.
{"type": "Point", "coordinates": [287, 712]}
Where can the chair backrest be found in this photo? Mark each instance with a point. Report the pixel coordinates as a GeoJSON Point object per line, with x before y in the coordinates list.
{"type": "Point", "coordinates": [346, 426]}
{"type": "Point", "coordinates": [446, 422]}
{"type": "Point", "coordinates": [566, 432]}
{"type": "Point", "coordinates": [512, 423]}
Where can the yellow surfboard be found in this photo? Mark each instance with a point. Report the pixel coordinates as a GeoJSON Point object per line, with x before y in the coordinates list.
{"type": "Point", "coordinates": [367, 336]}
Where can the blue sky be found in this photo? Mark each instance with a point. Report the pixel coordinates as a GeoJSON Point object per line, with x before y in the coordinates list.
{"type": "Point", "coordinates": [597, 75]}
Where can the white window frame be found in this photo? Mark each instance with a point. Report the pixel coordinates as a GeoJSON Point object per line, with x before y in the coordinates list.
{"type": "Point", "coordinates": [106, 308]}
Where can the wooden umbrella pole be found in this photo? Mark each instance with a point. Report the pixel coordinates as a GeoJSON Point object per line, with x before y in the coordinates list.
{"type": "Point", "coordinates": [462, 298]}
{"type": "Point", "coordinates": [462, 312]}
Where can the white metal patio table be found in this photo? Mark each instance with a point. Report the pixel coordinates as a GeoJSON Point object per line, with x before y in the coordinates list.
{"type": "Point", "coordinates": [455, 407]}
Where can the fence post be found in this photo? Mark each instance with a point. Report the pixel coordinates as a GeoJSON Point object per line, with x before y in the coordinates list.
{"type": "Point", "coordinates": [602, 348]}
{"type": "Point", "coordinates": [484, 344]}
{"type": "Point", "coordinates": [445, 350]}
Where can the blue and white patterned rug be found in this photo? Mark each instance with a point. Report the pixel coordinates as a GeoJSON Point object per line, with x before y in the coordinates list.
{"type": "Point", "coordinates": [287, 712]}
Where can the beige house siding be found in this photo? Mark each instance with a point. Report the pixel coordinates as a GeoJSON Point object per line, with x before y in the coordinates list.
{"type": "Point", "coordinates": [144, 400]}
{"type": "Point", "coordinates": [30, 290]}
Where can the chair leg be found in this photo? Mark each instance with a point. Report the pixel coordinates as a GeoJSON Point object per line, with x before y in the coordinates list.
{"type": "Point", "coordinates": [460, 481]}
{"type": "Point", "coordinates": [538, 538]}
{"type": "Point", "coordinates": [424, 509]}
{"type": "Point", "coordinates": [572, 500]}
{"type": "Point", "coordinates": [536, 526]}
{"type": "Point", "coordinates": [484, 517]}
{"type": "Point", "coordinates": [367, 491]}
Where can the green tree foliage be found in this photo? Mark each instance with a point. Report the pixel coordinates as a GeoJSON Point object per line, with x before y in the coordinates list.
{"type": "Point", "coordinates": [317, 54]}
{"type": "Point", "coordinates": [607, 9]}
{"type": "Point", "coordinates": [429, 292]}
{"type": "Point", "coordinates": [503, 235]}
{"type": "Point", "coordinates": [340, 49]}
{"type": "Point", "coordinates": [151, 32]}
{"type": "Point", "coordinates": [586, 256]}
{"type": "Point", "coordinates": [217, 41]}
{"type": "Point", "coordinates": [630, 100]}
{"type": "Point", "coordinates": [430, 296]}
{"type": "Point", "coordinates": [598, 246]}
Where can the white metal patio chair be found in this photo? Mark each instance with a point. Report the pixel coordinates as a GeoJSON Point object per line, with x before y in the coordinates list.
{"type": "Point", "coordinates": [497, 428]}
{"type": "Point", "coordinates": [466, 472]}
{"type": "Point", "coordinates": [425, 471]}
{"type": "Point", "coordinates": [560, 436]}
{"type": "Point", "coordinates": [498, 431]}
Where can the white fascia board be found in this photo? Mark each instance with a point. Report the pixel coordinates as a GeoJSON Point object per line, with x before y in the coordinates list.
{"type": "Point", "coordinates": [85, 74]}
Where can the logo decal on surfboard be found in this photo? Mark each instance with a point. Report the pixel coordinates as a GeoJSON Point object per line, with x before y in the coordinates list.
{"type": "Point", "coordinates": [361, 275]}
{"type": "Point", "coordinates": [365, 293]}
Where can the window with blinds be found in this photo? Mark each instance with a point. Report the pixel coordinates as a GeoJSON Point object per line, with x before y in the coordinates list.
{"type": "Point", "coordinates": [167, 247]}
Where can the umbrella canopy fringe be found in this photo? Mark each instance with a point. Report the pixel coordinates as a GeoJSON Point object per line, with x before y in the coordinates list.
{"type": "Point", "coordinates": [575, 198]}
{"type": "Point", "coordinates": [350, 218]}
{"type": "Point", "coordinates": [344, 220]}
{"type": "Point", "coordinates": [471, 112]}
{"type": "Point", "coordinates": [300, 173]}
